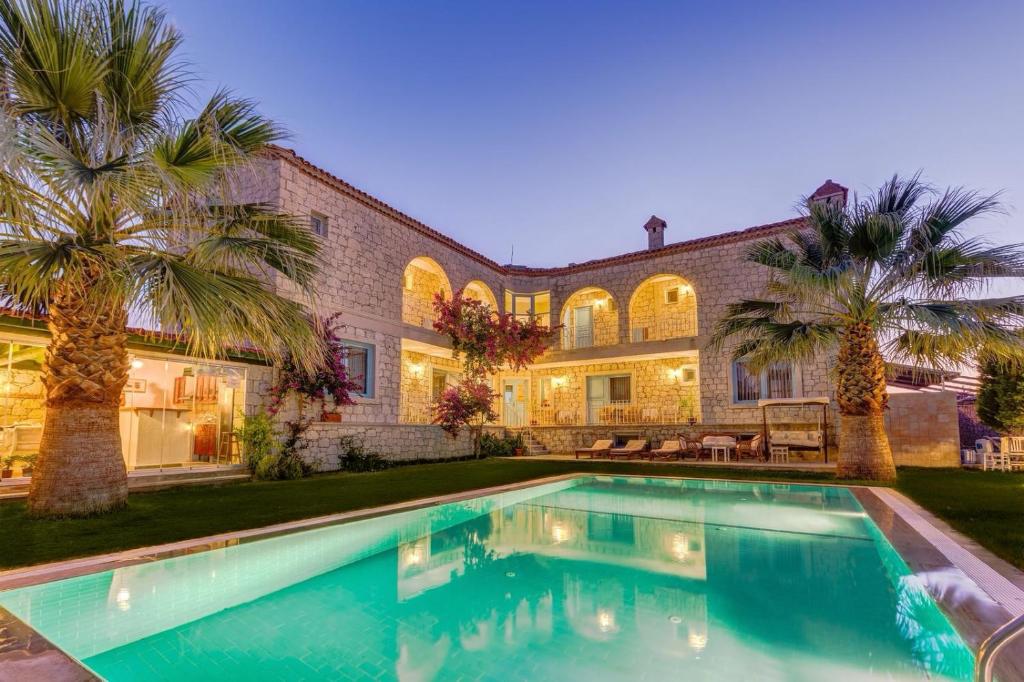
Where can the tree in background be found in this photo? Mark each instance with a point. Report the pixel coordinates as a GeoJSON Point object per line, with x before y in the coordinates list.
{"type": "Point", "coordinates": [486, 342]}
{"type": "Point", "coordinates": [118, 198]}
{"type": "Point", "coordinates": [1001, 396]}
{"type": "Point", "coordinates": [891, 276]}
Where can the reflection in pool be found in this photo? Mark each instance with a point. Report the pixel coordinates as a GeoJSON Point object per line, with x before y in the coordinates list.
{"type": "Point", "coordinates": [594, 578]}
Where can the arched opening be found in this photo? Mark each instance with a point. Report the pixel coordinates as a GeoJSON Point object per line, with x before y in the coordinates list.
{"type": "Point", "coordinates": [662, 307]}
{"type": "Point", "coordinates": [478, 291]}
{"type": "Point", "coordinates": [423, 278]}
{"type": "Point", "coordinates": [590, 317]}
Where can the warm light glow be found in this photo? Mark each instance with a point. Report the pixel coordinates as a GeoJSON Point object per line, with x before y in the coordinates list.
{"type": "Point", "coordinates": [413, 554]}
{"type": "Point", "coordinates": [697, 641]}
{"type": "Point", "coordinates": [558, 382]}
{"type": "Point", "coordinates": [685, 289]}
{"type": "Point", "coordinates": [124, 599]}
{"type": "Point", "coordinates": [416, 369]}
{"type": "Point", "coordinates": [601, 302]}
{"type": "Point", "coordinates": [605, 620]}
{"type": "Point", "coordinates": [680, 546]}
{"type": "Point", "coordinates": [676, 373]}
{"type": "Point", "coordinates": [137, 364]}
{"type": "Point", "coordinates": [559, 532]}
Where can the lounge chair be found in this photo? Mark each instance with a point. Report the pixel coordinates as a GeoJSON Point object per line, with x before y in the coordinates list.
{"type": "Point", "coordinates": [633, 447]}
{"type": "Point", "coordinates": [692, 447]}
{"type": "Point", "coordinates": [670, 449]}
{"type": "Point", "coordinates": [600, 447]}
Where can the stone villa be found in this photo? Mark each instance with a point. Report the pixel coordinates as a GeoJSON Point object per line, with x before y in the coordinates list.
{"type": "Point", "coordinates": [631, 359]}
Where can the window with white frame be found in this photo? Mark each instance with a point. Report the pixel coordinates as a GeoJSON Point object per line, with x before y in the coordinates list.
{"type": "Point", "coordinates": [318, 224]}
{"type": "Point", "coordinates": [526, 307]}
{"type": "Point", "coordinates": [778, 380]}
{"type": "Point", "coordinates": [440, 379]}
{"type": "Point", "coordinates": [359, 365]}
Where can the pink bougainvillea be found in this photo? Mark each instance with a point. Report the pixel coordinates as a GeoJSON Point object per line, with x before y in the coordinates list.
{"type": "Point", "coordinates": [486, 342]}
{"type": "Point", "coordinates": [331, 380]}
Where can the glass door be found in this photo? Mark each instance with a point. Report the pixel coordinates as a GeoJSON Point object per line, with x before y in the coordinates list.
{"type": "Point", "coordinates": [584, 326]}
{"type": "Point", "coordinates": [597, 398]}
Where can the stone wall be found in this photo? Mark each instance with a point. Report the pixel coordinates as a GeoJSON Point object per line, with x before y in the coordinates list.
{"type": "Point", "coordinates": [405, 442]}
{"type": "Point", "coordinates": [418, 382]}
{"type": "Point", "coordinates": [22, 397]}
{"type": "Point", "coordinates": [652, 318]}
{"type": "Point", "coordinates": [923, 429]}
{"type": "Point", "coordinates": [420, 284]}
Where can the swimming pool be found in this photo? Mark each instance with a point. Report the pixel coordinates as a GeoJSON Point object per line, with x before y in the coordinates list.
{"type": "Point", "coordinates": [594, 577]}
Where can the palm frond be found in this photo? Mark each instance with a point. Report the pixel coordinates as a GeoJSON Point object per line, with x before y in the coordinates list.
{"type": "Point", "coordinates": [943, 217]}
{"type": "Point", "coordinates": [213, 310]}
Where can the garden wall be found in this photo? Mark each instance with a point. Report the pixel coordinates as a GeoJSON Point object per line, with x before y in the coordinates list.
{"type": "Point", "coordinates": [399, 442]}
{"type": "Point", "coordinates": [924, 429]}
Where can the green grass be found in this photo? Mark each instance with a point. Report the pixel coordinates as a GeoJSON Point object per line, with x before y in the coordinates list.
{"type": "Point", "coordinates": [985, 506]}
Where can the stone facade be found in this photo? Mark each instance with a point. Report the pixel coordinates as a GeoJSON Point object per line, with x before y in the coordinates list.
{"type": "Point", "coordinates": [381, 268]}
{"type": "Point", "coordinates": [395, 442]}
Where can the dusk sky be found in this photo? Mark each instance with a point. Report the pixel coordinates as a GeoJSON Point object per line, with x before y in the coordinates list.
{"type": "Point", "coordinates": [558, 128]}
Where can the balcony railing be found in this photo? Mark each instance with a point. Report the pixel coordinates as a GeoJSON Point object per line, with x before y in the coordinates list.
{"type": "Point", "coordinates": [662, 329]}
{"type": "Point", "coordinates": [586, 337]}
{"type": "Point", "coordinates": [616, 413]}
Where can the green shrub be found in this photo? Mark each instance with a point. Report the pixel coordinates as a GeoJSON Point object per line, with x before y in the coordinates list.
{"type": "Point", "coordinates": [258, 440]}
{"type": "Point", "coordinates": [499, 446]}
{"type": "Point", "coordinates": [353, 456]}
{"type": "Point", "coordinates": [266, 468]}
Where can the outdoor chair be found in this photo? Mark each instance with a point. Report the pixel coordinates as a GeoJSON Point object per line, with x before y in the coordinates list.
{"type": "Point", "coordinates": [1012, 449]}
{"type": "Point", "coordinates": [692, 447]}
{"type": "Point", "coordinates": [751, 448]}
{"type": "Point", "coordinates": [669, 449]}
{"type": "Point", "coordinates": [600, 447]}
{"type": "Point", "coordinates": [633, 447]}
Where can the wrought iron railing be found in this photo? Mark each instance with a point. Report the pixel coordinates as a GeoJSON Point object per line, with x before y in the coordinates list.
{"type": "Point", "coordinates": [616, 413]}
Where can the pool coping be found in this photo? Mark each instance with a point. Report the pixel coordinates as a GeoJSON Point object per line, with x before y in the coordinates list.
{"type": "Point", "coordinates": [902, 522]}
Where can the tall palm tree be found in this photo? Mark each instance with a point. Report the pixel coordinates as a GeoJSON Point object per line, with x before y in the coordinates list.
{"type": "Point", "coordinates": [890, 276]}
{"type": "Point", "coordinates": [115, 204]}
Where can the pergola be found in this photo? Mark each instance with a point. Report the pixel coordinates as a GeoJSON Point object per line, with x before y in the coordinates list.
{"type": "Point", "coordinates": [797, 402]}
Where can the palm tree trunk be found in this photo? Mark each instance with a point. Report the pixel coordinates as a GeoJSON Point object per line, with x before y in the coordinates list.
{"type": "Point", "coordinates": [864, 450]}
{"type": "Point", "coordinates": [81, 470]}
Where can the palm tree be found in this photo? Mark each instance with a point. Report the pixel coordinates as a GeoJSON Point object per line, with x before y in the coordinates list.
{"type": "Point", "coordinates": [117, 205]}
{"type": "Point", "coordinates": [891, 276]}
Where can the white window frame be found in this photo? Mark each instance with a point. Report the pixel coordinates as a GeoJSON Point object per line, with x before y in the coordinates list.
{"type": "Point", "coordinates": [314, 218]}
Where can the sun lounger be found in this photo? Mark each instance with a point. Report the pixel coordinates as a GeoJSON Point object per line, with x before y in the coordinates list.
{"type": "Point", "coordinates": [600, 447]}
{"type": "Point", "coordinates": [633, 447]}
{"type": "Point", "coordinates": [670, 449]}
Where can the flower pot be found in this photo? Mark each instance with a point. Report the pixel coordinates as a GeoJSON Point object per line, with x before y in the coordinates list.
{"type": "Point", "coordinates": [330, 417]}
{"type": "Point", "coordinates": [520, 451]}
{"type": "Point", "coordinates": [26, 471]}
{"type": "Point", "coordinates": [6, 473]}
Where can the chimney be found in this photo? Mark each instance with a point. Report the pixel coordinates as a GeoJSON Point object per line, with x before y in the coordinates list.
{"type": "Point", "coordinates": [655, 232]}
{"type": "Point", "coordinates": [830, 193]}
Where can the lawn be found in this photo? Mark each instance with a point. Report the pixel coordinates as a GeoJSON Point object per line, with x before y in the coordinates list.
{"type": "Point", "coordinates": [987, 506]}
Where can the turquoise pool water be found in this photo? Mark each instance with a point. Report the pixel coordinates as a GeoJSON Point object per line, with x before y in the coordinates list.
{"type": "Point", "coordinates": [596, 578]}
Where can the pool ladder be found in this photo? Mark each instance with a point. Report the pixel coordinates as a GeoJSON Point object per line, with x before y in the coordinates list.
{"type": "Point", "coordinates": [993, 645]}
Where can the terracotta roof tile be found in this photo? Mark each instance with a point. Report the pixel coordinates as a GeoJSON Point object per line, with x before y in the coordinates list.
{"type": "Point", "coordinates": [751, 233]}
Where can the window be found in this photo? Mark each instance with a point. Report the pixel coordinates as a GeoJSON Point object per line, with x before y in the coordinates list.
{"type": "Point", "coordinates": [318, 223]}
{"type": "Point", "coordinates": [441, 379]}
{"type": "Point", "coordinates": [672, 295]}
{"type": "Point", "coordinates": [359, 365]}
{"type": "Point", "coordinates": [530, 306]}
{"type": "Point", "coordinates": [618, 389]}
{"type": "Point", "coordinates": [776, 381]}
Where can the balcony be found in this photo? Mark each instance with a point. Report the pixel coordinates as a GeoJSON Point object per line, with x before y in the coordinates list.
{"type": "Point", "coordinates": [651, 329]}
{"type": "Point", "coordinates": [614, 413]}
{"type": "Point", "coordinates": [575, 338]}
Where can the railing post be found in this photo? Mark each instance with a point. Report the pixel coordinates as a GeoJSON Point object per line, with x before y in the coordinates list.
{"type": "Point", "coordinates": [983, 667]}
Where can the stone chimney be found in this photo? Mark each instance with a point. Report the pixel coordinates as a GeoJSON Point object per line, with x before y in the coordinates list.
{"type": "Point", "coordinates": [830, 193]}
{"type": "Point", "coordinates": [655, 232]}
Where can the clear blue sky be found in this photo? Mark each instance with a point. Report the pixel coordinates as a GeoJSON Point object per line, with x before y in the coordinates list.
{"type": "Point", "coordinates": [561, 126]}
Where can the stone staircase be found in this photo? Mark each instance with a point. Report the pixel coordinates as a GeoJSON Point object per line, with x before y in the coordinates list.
{"type": "Point", "coordinates": [533, 446]}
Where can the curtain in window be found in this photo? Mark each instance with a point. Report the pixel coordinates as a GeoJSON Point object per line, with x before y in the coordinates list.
{"type": "Point", "coordinates": [748, 385]}
{"type": "Point", "coordinates": [779, 380]}
{"type": "Point", "coordinates": [356, 360]}
{"type": "Point", "coordinates": [618, 387]}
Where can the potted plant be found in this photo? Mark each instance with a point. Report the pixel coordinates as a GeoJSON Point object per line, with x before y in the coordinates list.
{"type": "Point", "coordinates": [27, 462]}
{"type": "Point", "coordinates": [8, 464]}
{"type": "Point", "coordinates": [518, 446]}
